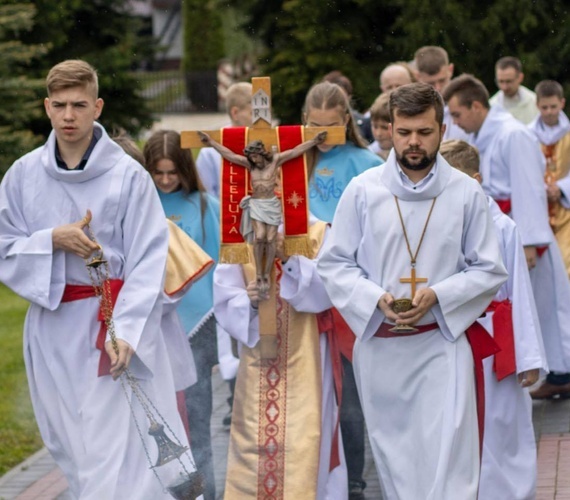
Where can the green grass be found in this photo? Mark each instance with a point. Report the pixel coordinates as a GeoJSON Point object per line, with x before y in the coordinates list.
{"type": "Point", "coordinates": [19, 435]}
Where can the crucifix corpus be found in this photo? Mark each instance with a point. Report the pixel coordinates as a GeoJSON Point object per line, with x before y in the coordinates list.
{"type": "Point", "coordinates": [261, 212]}
{"type": "Point", "coordinates": [252, 161]}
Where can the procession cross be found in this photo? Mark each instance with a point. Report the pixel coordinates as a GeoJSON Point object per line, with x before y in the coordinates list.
{"type": "Point", "coordinates": [261, 130]}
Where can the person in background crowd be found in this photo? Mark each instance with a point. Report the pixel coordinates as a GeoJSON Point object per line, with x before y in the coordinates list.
{"type": "Point", "coordinates": [186, 203]}
{"type": "Point", "coordinates": [512, 95]}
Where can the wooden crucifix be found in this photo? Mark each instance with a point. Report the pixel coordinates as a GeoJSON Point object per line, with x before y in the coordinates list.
{"type": "Point", "coordinates": [413, 280]}
{"type": "Point", "coordinates": [262, 149]}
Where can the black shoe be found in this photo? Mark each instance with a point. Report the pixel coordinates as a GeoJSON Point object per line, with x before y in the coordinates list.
{"type": "Point", "coordinates": [227, 420]}
{"type": "Point", "coordinates": [356, 490]}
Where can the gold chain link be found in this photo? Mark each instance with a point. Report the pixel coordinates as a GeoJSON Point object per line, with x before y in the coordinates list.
{"type": "Point", "coordinates": [99, 275]}
{"type": "Point", "coordinates": [98, 270]}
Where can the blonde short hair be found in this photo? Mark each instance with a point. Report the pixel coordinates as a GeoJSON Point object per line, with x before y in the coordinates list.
{"type": "Point", "coordinates": [461, 155]}
{"type": "Point", "coordinates": [380, 109]}
{"type": "Point", "coordinates": [238, 95]}
{"type": "Point", "coordinates": [72, 73]}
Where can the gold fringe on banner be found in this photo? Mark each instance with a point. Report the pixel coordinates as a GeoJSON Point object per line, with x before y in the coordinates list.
{"type": "Point", "coordinates": [299, 245]}
{"type": "Point", "coordinates": [234, 253]}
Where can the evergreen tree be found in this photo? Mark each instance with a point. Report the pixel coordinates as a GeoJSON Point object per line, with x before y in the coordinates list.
{"type": "Point", "coordinates": [19, 103]}
{"type": "Point", "coordinates": [478, 32]}
{"type": "Point", "coordinates": [305, 39]}
{"type": "Point", "coordinates": [203, 49]}
{"type": "Point", "coordinates": [203, 35]}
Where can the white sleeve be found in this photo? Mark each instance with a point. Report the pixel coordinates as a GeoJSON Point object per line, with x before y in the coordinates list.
{"type": "Point", "coordinates": [28, 263]}
{"type": "Point", "coordinates": [302, 287]}
{"type": "Point", "coordinates": [352, 293]}
{"type": "Point", "coordinates": [208, 164]}
{"type": "Point", "coordinates": [464, 296]}
{"type": "Point", "coordinates": [529, 347]}
{"type": "Point", "coordinates": [564, 185]}
{"type": "Point", "coordinates": [232, 306]}
{"type": "Point", "coordinates": [528, 196]}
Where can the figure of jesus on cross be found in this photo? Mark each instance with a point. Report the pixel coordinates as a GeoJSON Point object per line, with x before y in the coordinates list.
{"type": "Point", "coordinates": [261, 214]}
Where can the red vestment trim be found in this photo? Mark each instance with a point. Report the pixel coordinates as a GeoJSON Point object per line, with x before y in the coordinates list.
{"type": "Point", "coordinates": [234, 186]}
{"type": "Point", "coordinates": [505, 361]}
{"type": "Point", "coordinates": [506, 208]}
{"type": "Point", "coordinates": [326, 326]}
{"type": "Point", "coordinates": [482, 346]}
{"type": "Point", "coordinates": [294, 188]}
{"type": "Point", "coordinates": [79, 292]}
{"type": "Point", "coordinates": [195, 277]}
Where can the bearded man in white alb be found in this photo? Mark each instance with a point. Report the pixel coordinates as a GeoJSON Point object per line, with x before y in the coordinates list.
{"type": "Point", "coordinates": [416, 223]}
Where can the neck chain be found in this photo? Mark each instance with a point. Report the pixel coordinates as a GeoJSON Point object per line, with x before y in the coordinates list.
{"type": "Point", "coordinates": [413, 256]}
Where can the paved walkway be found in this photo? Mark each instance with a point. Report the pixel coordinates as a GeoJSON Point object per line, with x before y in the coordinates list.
{"type": "Point", "coordinates": [38, 478]}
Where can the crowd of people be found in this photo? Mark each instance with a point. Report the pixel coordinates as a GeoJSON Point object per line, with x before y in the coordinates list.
{"type": "Point", "coordinates": [433, 306]}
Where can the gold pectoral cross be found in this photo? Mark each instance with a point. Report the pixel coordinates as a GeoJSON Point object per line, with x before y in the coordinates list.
{"type": "Point", "coordinates": [413, 279]}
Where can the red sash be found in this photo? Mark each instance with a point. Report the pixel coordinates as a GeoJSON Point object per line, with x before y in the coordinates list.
{"type": "Point", "coordinates": [505, 206]}
{"type": "Point", "coordinates": [505, 361]}
{"type": "Point", "coordinates": [385, 333]}
{"type": "Point", "coordinates": [344, 335]}
{"type": "Point", "coordinates": [183, 412]}
{"type": "Point", "coordinates": [327, 326]}
{"type": "Point", "coordinates": [482, 346]}
{"type": "Point", "coordinates": [79, 292]}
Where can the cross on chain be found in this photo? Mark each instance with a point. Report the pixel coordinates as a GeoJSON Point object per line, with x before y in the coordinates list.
{"type": "Point", "coordinates": [413, 280]}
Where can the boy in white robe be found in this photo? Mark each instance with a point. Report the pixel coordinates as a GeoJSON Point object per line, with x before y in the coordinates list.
{"type": "Point", "coordinates": [509, 463]}
{"type": "Point", "coordinates": [47, 198]}
{"type": "Point", "coordinates": [552, 128]}
{"type": "Point", "coordinates": [304, 364]}
{"type": "Point", "coordinates": [417, 389]}
{"type": "Point", "coordinates": [513, 167]}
